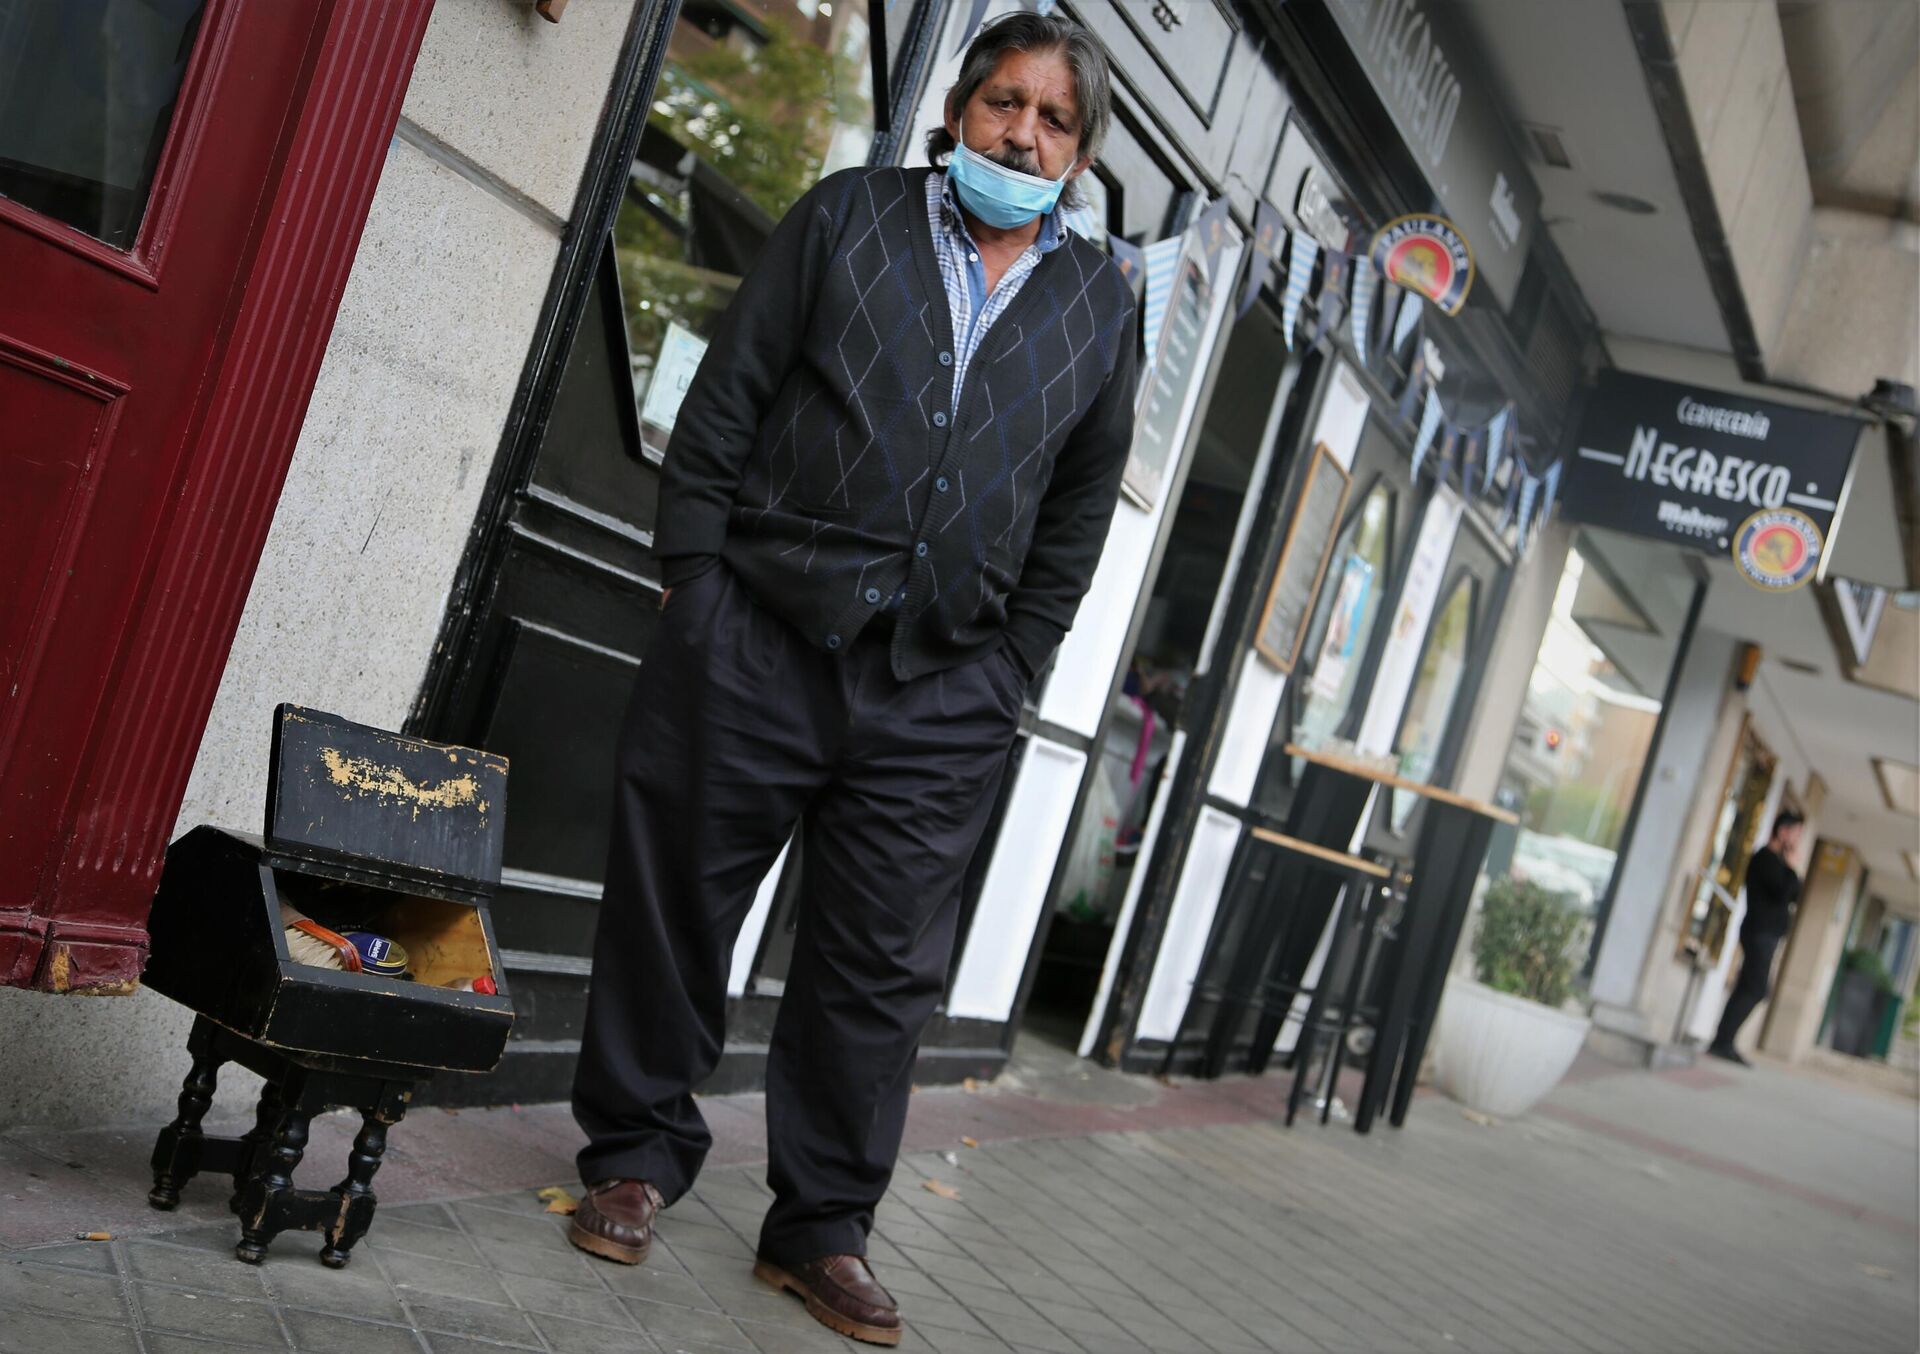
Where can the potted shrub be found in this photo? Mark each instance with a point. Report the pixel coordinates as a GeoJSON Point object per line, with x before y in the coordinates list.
{"type": "Point", "coordinates": [1503, 1042]}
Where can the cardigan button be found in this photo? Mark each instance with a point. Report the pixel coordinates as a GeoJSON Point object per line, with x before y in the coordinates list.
{"type": "Point", "coordinates": [941, 484]}
{"type": "Point", "coordinates": [833, 641]}
{"type": "Point", "coordinates": [873, 596]}
{"type": "Point", "coordinates": [939, 419]}
{"type": "Point", "coordinates": [946, 359]}
{"type": "Point", "coordinates": [920, 549]}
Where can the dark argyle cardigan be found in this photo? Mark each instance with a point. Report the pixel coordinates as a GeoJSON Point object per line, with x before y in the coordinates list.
{"type": "Point", "coordinates": [815, 455]}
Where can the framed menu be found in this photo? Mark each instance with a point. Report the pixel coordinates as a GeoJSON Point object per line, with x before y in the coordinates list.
{"type": "Point", "coordinates": [1303, 560]}
{"type": "Point", "coordinates": [1175, 365]}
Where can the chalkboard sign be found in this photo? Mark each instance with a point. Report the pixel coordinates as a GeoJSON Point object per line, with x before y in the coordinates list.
{"type": "Point", "coordinates": [1303, 560]}
{"type": "Point", "coordinates": [1157, 422]}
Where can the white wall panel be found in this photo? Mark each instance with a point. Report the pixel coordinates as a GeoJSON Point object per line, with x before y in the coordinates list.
{"type": "Point", "coordinates": [1015, 889]}
{"type": "Point", "coordinates": [1202, 879]}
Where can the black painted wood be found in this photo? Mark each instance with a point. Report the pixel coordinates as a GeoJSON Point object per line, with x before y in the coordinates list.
{"type": "Point", "coordinates": [353, 802]}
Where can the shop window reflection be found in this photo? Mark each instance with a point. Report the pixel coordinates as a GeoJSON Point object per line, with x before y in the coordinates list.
{"type": "Point", "coordinates": [1344, 619]}
{"type": "Point", "coordinates": [758, 100]}
{"type": "Point", "coordinates": [1583, 734]}
{"type": "Point", "coordinates": [1436, 686]}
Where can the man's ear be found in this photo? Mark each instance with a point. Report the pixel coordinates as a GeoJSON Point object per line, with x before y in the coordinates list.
{"type": "Point", "coordinates": [1080, 166]}
{"type": "Point", "coordinates": [953, 119]}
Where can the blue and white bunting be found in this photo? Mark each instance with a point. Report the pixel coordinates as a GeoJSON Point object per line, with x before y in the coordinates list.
{"type": "Point", "coordinates": [1513, 496]}
{"type": "Point", "coordinates": [1496, 445]}
{"type": "Point", "coordinates": [1301, 256]}
{"type": "Point", "coordinates": [1163, 260]}
{"type": "Point", "coordinates": [1404, 322]}
{"type": "Point", "coordinates": [1552, 487]}
{"type": "Point", "coordinates": [1360, 316]}
{"type": "Point", "coordinates": [1429, 424]}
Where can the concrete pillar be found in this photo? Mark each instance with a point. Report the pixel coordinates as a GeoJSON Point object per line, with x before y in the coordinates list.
{"type": "Point", "coordinates": [1687, 762]}
{"type": "Point", "coordinates": [1805, 976]}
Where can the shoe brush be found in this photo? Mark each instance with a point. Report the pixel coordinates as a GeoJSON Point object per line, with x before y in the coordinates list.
{"type": "Point", "coordinates": [308, 942]}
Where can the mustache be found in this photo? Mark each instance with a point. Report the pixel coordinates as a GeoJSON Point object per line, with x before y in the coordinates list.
{"type": "Point", "coordinates": [1018, 160]}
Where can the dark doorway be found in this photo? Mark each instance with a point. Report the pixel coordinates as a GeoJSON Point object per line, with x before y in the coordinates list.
{"type": "Point", "coordinates": [1153, 705]}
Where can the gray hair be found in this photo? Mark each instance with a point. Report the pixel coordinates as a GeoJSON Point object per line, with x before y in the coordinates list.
{"type": "Point", "coordinates": [1021, 32]}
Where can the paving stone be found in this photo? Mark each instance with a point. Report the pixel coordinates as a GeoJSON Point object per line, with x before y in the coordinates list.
{"type": "Point", "coordinates": [580, 1337]}
{"type": "Point", "coordinates": [411, 1274]}
{"type": "Point", "coordinates": [673, 1326]}
{"type": "Point", "coordinates": [56, 1289]}
{"type": "Point", "coordinates": [90, 1256]}
{"type": "Point", "coordinates": [962, 1342]}
{"type": "Point", "coordinates": [203, 1271]}
{"type": "Point", "coordinates": [941, 1312]}
{"type": "Point", "coordinates": [981, 1299]}
{"type": "Point", "coordinates": [1030, 1332]}
{"type": "Point", "coordinates": [578, 1304]}
{"type": "Point", "coordinates": [29, 1332]}
{"type": "Point", "coordinates": [316, 1333]}
{"type": "Point", "coordinates": [437, 1243]}
{"type": "Point", "coordinates": [254, 1324]}
{"type": "Point", "coordinates": [571, 1266]}
{"type": "Point", "coordinates": [472, 1320]}
{"type": "Point", "coordinates": [359, 1291]}
{"type": "Point", "coordinates": [655, 1284]}
{"type": "Point", "coordinates": [943, 1266]}
{"type": "Point", "coordinates": [190, 1344]}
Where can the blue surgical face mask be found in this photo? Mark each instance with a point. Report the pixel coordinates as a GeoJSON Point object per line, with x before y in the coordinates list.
{"type": "Point", "coordinates": [1001, 197]}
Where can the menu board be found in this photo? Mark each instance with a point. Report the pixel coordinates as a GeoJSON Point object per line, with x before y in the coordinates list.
{"type": "Point", "coordinates": [1303, 560]}
{"type": "Point", "coordinates": [1157, 421]}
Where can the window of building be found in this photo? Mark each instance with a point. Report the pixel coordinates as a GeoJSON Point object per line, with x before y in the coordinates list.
{"type": "Point", "coordinates": [1348, 609]}
{"type": "Point", "coordinates": [1587, 725]}
{"type": "Point", "coordinates": [756, 103]}
{"type": "Point", "coordinates": [87, 89]}
{"type": "Point", "coordinates": [1436, 686]}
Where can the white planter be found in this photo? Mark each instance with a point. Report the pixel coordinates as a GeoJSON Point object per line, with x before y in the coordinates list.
{"type": "Point", "coordinates": [1500, 1054]}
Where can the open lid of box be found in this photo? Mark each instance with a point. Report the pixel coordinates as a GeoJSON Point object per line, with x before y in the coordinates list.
{"type": "Point", "coordinates": [351, 802]}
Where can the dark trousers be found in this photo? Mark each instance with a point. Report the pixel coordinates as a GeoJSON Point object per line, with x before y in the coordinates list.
{"type": "Point", "coordinates": [1750, 988]}
{"type": "Point", "coordinates": [739, 732]}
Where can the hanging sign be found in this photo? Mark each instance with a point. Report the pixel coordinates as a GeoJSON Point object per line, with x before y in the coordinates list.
{"type": "Point", "coordinates": [1861, 607]}
{"type": "Point", "coordinates": [1319, 212]}
{"type": "Point", "coordinates": [1426, 255]}
{"type": "Point", "coordinates": [1694, 466]}
{"type": "Point", "coordinates": [1777, 549]}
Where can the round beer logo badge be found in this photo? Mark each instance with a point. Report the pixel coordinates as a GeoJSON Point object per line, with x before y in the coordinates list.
{"type": "Point", "coordinates": [1777, 549]}
{"type": "Point", "coordinates": [1426, 254]}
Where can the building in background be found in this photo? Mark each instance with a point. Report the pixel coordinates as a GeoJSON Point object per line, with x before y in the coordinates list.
{"type": "Point", "coordinates": [446, 516]}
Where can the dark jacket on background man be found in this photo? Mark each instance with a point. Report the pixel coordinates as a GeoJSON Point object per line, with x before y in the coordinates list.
{"type": "Point", "coordinates": [815, 452]}
{"type": "Point", "coordinates": [1772, 890]}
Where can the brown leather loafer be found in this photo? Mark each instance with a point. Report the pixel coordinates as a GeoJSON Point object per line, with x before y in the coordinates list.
{"type": "Point", "coordinates": [615, 1220]}
{"type": "Point", "coordinates": [841, 1294]}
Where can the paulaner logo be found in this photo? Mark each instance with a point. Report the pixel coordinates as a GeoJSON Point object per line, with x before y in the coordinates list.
{"type": "Point", "coordinates": [1732, 479]}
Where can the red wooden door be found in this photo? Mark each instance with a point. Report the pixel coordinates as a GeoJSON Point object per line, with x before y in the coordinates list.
{"type": "Point", "coordinates": [182, 187]}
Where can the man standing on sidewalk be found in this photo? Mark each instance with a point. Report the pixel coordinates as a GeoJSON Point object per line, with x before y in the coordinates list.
{"type": "Point", "coordinates": [885, 496]}
{"type": "Point", "coordinates": [1772, 890]}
